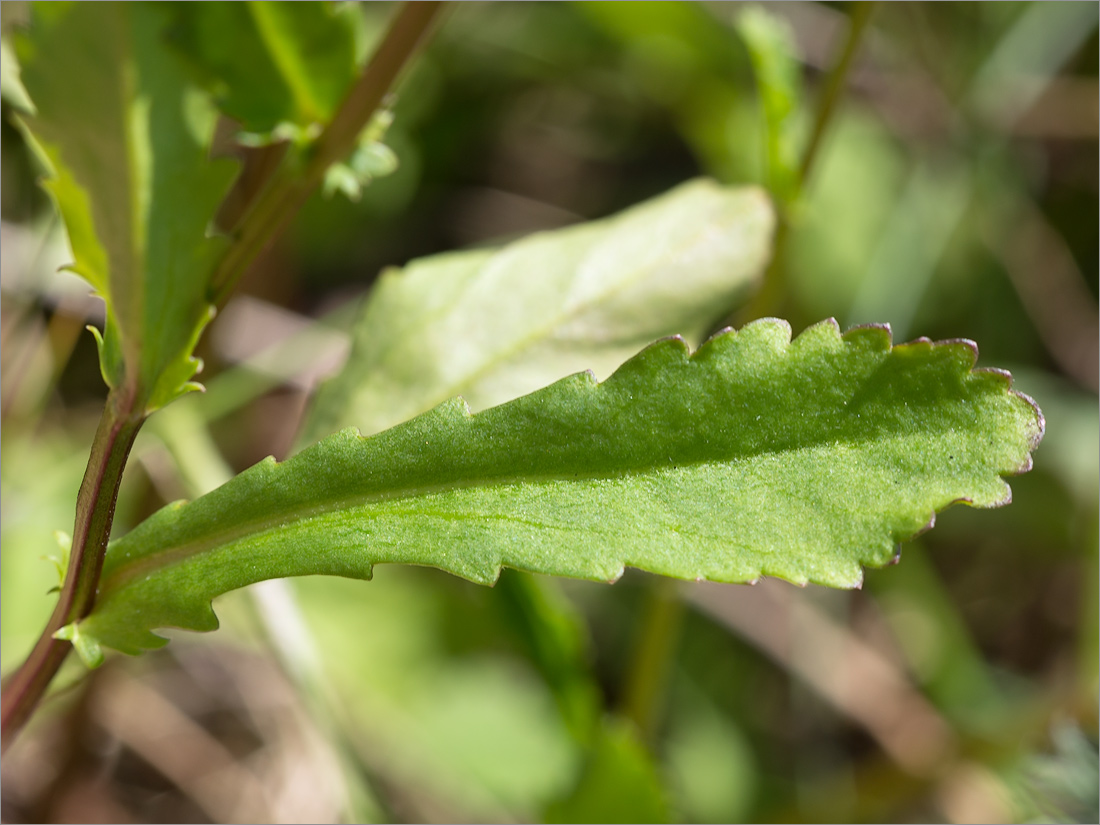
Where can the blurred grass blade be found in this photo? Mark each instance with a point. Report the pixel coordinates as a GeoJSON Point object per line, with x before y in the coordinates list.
{"type": "Point", "coordinates": [133, 183]}
{"type": "Point", "coordinates": [912, 244]}
{"type": "Point", "coordinates": [771, 48]}
{"type": "Point", "coordinates": [1027, 58]}
{"type": "Point", "coordinates": [495, 324]}
{"type": "Point", "coordinates": [756, 456]}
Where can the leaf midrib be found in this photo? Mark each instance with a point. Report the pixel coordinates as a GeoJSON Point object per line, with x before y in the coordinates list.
{"type": "Point", "coordinates": [118, 578]}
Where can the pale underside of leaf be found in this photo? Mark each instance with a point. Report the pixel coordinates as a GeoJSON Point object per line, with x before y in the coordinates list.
{"type": "Point", "coordinates": [756, 456]}
{"type": "Point", "coordinates": [496, 324]}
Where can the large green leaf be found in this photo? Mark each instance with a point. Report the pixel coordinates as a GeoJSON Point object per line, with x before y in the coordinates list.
{"type": "Point", "coordinates": [272, 63]}
{"type": "Point", "coordinates": [496, 324]}
{"type": "Point", "coordinates": [756, 456]}
{"type": "Point", "coordinates": [127, 138]}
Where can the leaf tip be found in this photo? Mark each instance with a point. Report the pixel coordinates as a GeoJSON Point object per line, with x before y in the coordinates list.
{"type": "Point", "coordinates": [780, 323]}
{"type": "Point", "coordinates": [924, 528]}
{"type": "Point", "coordinates": [971, 347]}
{"type": "Point", "coordinates": [873, 326]}
{"type": "Point", "coordinates": [1039, 422]}
{"type": "Point", "coordinates": [719, 334]}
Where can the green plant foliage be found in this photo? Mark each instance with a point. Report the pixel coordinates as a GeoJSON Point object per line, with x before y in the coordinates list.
{"type": "Point", "coordinates": [619, 783]}
{"type": "Point", "coordinates": [770, 44]}
{"type": "Point", "coordinates": [134, 184]}
{"type": "Point", "coordinates": [272, 65]}
{"type": "Point", "coordinates": [1058, 787]}
{"type": "Point", "coordinates": [496, 324]}
{"type": "Point", "coordinates": [756, 456]}
{"type": "Point", "coordinates": [549, 627]}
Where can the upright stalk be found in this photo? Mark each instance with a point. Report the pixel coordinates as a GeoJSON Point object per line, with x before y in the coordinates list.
{"type": "Point", "coordinates": [124, 412]}
{"type": "Point", "coordinates": [769, 300]}
{"type": "Point", "coordinates": [95, 510]}
{"type": "Point", "coordinates": [650, 670]}
{"type": "Point", "coordinates": [834, 85]}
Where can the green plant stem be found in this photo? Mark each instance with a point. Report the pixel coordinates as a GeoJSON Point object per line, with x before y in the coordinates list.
{"type": "Point", "coordinates": [290, 188]}
{"type": "Point", "coordinates": [95, 509]}
{"type": "Point", "coordinates": [124, 414]}
{"type": "Point", "coordinates": [834, 85]}
{"type": "Point", "coordinates": [770, 299]}
{"type": "Point", "coordinates": [650, 668]}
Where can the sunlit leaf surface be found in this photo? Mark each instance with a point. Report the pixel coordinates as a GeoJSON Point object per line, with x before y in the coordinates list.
{"type": "Point", "coordinates": [757, 455]}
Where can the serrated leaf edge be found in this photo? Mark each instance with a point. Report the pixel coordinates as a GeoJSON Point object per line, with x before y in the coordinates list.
{"type": "Point", "coordinates": [1034, 438]}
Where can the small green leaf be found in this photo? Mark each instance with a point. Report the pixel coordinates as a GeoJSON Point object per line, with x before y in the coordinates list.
{"type": "Point", "coordinates": [755, 456]}
{"type": "Point", "coordinates": [60, 561]}
{"type": "Point", "coordinates": [496, 324]}
{"type": "Point", "coordinates": [127, 140]}
{"type": "Point", "coordinates": [87, 648]}
{"type": "Point", "coordinates": [371, 159]}
{"type": "Point", "coordinates": [271, 64]}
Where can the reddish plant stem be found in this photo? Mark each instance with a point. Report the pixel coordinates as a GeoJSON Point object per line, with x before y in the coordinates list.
{"type": "Point", "coordinates": [95, 510]}
{"type": "Point", "coordinates": [123, 414]}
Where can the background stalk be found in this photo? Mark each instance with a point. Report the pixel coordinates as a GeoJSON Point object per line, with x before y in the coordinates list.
{"type": "Point", "coordinates": [769, 301]}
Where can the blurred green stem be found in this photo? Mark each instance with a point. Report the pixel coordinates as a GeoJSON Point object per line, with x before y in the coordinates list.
{"type": "Point", "coordinates": [834, 85]}
{"type": "Point", "coordinates": [654, 653]}
{"type": "Point", "coordinates": [771, 298]}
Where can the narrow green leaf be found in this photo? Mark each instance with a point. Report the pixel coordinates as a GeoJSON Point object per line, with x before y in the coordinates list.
{"type": "Point", "coordinates": [87, 647]}
{"type": "Point", "coordinates": [755, 456]}
{"type": "Point", "coordinates": [770, 44]}
{"type": "Point", "coordinates": [272, 64]}
{"type": "Point", "coordinates": [127, 139]}
{"type": "Point", "coordinates": [496, 324]}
